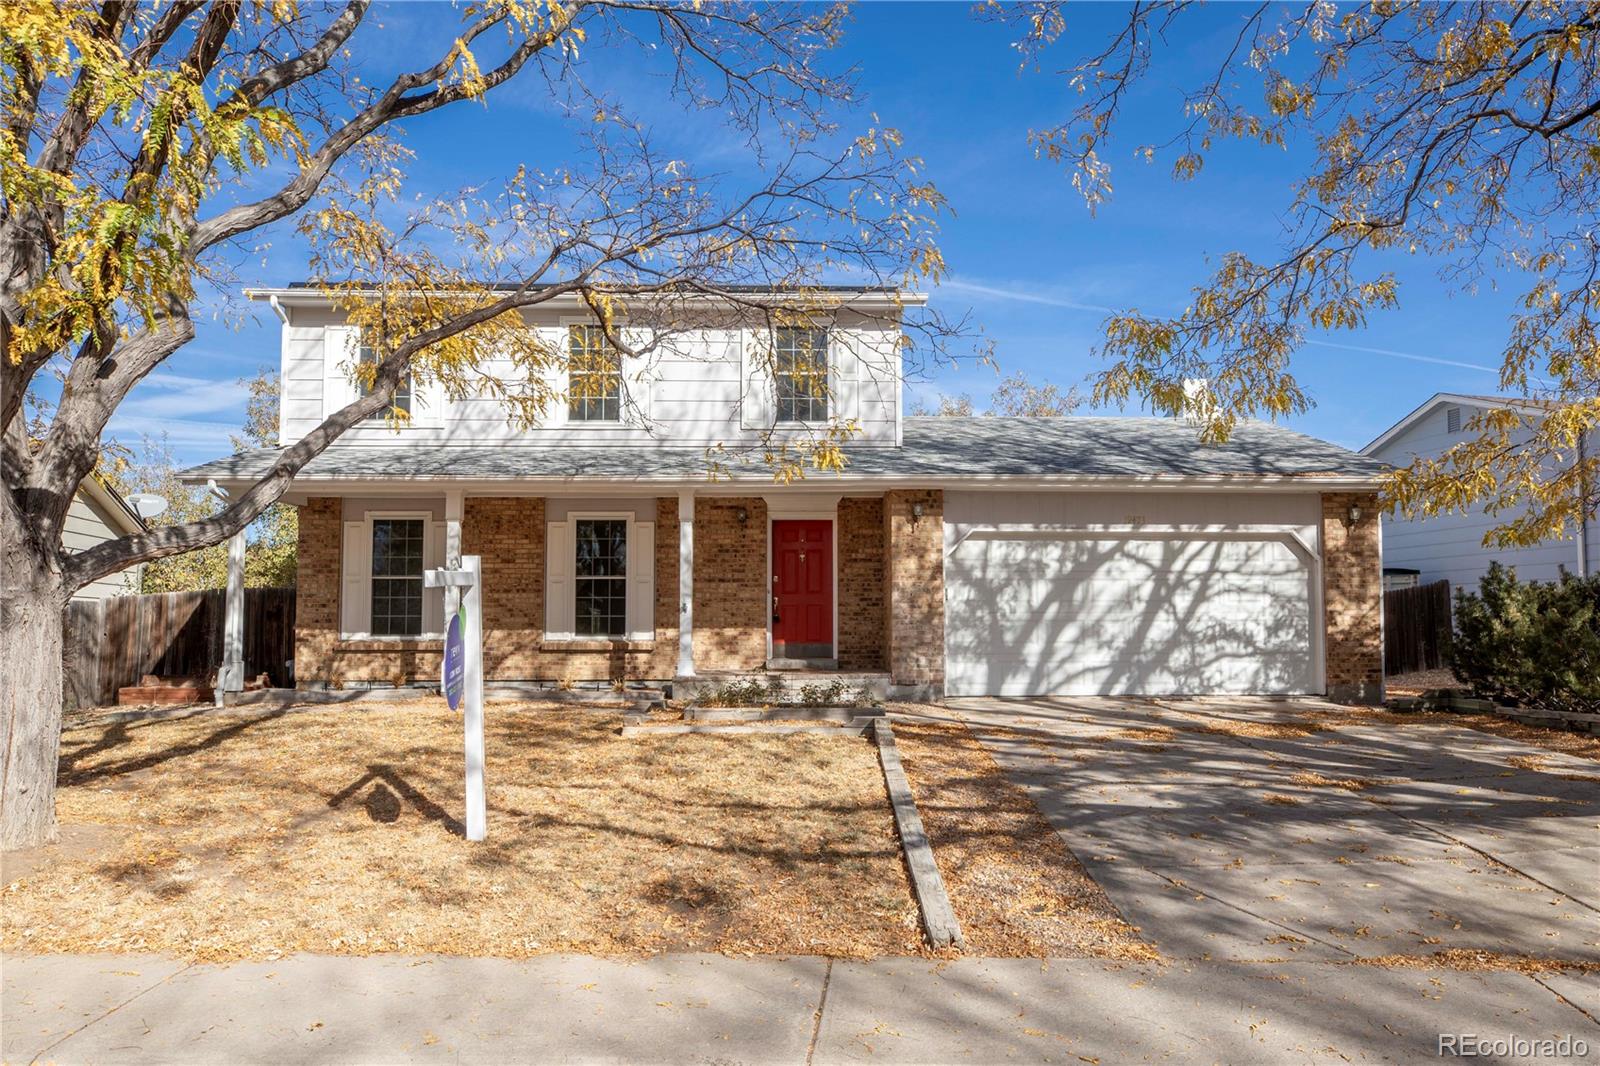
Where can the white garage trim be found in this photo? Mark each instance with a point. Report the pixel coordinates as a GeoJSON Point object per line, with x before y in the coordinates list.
{"type": "Point", "coordinates": [1200, 605]}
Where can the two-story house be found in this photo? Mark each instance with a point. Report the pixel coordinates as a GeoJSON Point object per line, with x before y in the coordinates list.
{"type": "Point", "coordinates": [960, 556]}
{"type": "Point", "coordinates": [1449, 547]}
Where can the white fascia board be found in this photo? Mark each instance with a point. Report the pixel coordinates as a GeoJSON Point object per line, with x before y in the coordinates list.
{"type": "Point", "coordinates": [1456, 398]}
{"type": "Point", "coordinates": [837, 484]}
{"type": "Point", "coordinates": [845, 299]}
{"type": "Point", "coordinates": [113, 509]}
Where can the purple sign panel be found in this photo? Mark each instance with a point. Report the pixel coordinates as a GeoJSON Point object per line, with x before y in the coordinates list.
{"type": "Point", "coordinates": [455, 663]}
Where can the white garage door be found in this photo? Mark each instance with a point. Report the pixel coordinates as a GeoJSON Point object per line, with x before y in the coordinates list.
{"type": "Point", "coordinates": [1035, 611]}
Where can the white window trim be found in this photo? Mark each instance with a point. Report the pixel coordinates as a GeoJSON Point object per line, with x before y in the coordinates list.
{"type": "Point", "coordinates": [429, 404]}
{"type": "Point", "coordinates": [430, 543]}
{"type": "Point", "coordinates": [835, 395]}
{"type": "Point", "coordinates": [636, 629]}
{"type": "Point", "coordinates": [636, 385]}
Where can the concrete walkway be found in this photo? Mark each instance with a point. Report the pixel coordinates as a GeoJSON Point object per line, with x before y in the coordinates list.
{"type": "Point", "coordinates": [697, 1008]}
{"type": "Point", "coordinates": [1241, 845]}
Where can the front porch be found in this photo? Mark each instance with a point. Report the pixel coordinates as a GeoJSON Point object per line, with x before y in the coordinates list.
{"type": "Point", "coordinates": [690, 589]}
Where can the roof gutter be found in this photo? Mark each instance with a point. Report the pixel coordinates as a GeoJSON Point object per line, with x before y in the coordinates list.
{"type": "Point", "coordinates": [742, 485]}
{"type": "Point", "coordinates": [840, 298]}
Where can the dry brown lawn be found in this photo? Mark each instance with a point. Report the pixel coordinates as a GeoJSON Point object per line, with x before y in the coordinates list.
{"type": "Point", "coordinates": [336, 831]}
{"type": "Point", "coordinates": [1016, 887]}
{"type": "Point", "coordinates": [255, 836]}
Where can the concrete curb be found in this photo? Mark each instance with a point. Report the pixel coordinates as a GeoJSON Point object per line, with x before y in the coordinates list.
{"type": "Point", "coordinates": [780, 711]}
{"type": "Point", "coordinates": [938, 916]}
{"type": "Point", "coordinates": [638, 725]}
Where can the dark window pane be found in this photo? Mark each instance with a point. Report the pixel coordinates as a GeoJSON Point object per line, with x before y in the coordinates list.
{"type": "Point", "coordinates": [602, 548]}
{"type": "Point", "coordinates": [397, 576]}
{"type": "Point", "coordinates": [601, 588]}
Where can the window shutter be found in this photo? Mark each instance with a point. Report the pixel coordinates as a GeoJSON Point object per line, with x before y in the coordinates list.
{"type": "Point", "coordinates": [555, 378]}
{"type": "Point", "coordinates": [558, 588]}
{"type": "Point", "coordinates": [428, 407]}
{"type": "Point", "coordinates": [843, 379]}
{"type": "Point", "coordinates": [355, 600]}
{"type": "Point", "coordinates": [433, 620]}
{"type": "Point", "coordinates": [641, 580]}
{"type": "Point", "coordinates": [758, 405]}
{"type": "Point", "coordinates": [637, 375]}
{"type": "Point", "coordinates": [338, 353]}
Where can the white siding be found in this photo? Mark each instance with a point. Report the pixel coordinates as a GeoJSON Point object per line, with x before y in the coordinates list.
{"type": "Point", "coordinates": [1130, 594]}
{"type": "Point", "coordinates": [690, 391]}
{"type": "Point", "coordinates": [83, 529]}
{"type": "Point", "coordinates": [1449, 547]}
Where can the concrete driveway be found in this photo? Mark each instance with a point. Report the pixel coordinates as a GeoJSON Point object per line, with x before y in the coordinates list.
{"type": "Point", "coordinates": [1221, 830]}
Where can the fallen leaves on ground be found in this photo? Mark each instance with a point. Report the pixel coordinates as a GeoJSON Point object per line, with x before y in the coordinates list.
{"type": "Point", "coordinates": [337, 831]}
{"type": "Point", "coordinates": [1016, 887]}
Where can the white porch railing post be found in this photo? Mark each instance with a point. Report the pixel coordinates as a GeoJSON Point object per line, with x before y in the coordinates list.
{"type": "Point", "coordinates": [230, 678]}
{"type": "Point", "coordinates": [454, 504]}
{"type": "Point", "coordinates": [686, 583]}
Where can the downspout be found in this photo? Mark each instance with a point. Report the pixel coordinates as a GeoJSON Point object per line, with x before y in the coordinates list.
{"type": "Point", "coordinates": [1583, 508]}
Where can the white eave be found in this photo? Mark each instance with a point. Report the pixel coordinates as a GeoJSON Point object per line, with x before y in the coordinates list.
{"type": "Point", "coordinates": [744, 485]}
{"type": "Point", "coordinates": [852, 298]}
{"type": "Point", "coordinates": [1456, 399]}
{"type": "Point", "coordinates": [112, 507]}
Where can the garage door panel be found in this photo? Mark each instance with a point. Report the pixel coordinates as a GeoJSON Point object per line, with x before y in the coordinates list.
{"type": "Point", "coordinates": [1044, 613]}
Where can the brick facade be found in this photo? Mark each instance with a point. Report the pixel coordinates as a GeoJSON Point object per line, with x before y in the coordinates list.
{"type": "Point", "coordinates": [730, 584]}
{"type": "Point", "coordinates": [508, 534]}
{"type": "Point", "coordinates": [862, 629]}
{"type": "Point", "coordinates": [914, 587]}
{"type": "Point", "coordinates": [1352, 596]}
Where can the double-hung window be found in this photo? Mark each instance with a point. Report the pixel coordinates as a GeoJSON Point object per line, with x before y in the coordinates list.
{"type": "Point", "coordinates": [402, 394]}
{"type": "Point", "coordinates": [600, 575]}
{"type": "Point", "coordinates": [800, 372]}
{"type": "Point", "coordinates": [397, 552]}
{"type": "Point", "coordinates": [594, 376]}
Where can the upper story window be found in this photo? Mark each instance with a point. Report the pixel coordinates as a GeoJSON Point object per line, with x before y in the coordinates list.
{"type": "Point", "coordinates": [800, 371]}
{"type": "Point", "coordinates": [601, 577]}
{"type": "Point", "coordinates": [594, 376]}
{"type": "Point", "coordinates": [402, 395]}
{"type": "Point", "coordinates": [397, 549]}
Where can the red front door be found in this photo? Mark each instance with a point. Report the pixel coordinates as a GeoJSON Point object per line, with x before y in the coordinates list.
{"type": "Point", "coordinates": [802, 590]}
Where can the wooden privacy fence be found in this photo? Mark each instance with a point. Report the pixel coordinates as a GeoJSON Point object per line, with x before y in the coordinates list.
{"type": "Point", "coordinates": [112, 643]}
{"type": "Point", "coordinates": [1416, 627]}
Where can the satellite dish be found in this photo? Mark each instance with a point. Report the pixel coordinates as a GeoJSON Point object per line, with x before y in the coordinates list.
{"type": "Point", "coordinates": [147, 504]}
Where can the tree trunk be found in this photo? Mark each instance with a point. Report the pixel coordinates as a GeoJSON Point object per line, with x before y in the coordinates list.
{"type": "Point", "coordinates": [30, 697]}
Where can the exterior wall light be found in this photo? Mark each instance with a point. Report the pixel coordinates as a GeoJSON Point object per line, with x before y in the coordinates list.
{"type": "Point", "coordinates": [743, 515]}
{"type": "Point", "coordinates": [916, 513]}
{"type": "Point", "coordinates": [1353, 515]}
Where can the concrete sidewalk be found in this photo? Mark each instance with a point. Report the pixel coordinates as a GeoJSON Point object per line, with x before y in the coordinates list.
{"type": "Point", "coordinates": [707, 1008]}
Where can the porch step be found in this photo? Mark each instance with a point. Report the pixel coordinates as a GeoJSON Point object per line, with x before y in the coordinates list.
{"type": "Point", "coordinates": [785, 685]}
{"type": "Point", "coordinates": [803, 665]}
{"type": "Point", "coordinates": [786, 714]}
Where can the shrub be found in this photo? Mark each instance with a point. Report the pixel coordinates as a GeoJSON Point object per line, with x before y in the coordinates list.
{"type": "Point", "coordinates": [1536, 643]}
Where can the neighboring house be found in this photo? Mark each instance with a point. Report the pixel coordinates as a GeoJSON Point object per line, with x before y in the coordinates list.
{"type": "Point", "coordinates": [1449, 547]}
{"type": "Point", "coordinates": [98, 514]}
{"type": "Point", "coordinates": [960, 556]}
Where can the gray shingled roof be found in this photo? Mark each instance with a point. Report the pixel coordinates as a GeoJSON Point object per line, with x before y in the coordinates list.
{"type": "Point", "coordinates": [933, 447]}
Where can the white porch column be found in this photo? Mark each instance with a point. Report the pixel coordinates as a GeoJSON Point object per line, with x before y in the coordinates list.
{"type": "Point", "coordinates": [686, 583]}
{"type": "Point", "coordinates": [454, 504]}
{"type": "Point", "coordinates": [230, 678]}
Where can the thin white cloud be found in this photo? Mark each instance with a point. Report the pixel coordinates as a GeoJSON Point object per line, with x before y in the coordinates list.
{"type": "Point", "coordinates": [1022, 295]}
{"type": "Point", "coordinates": [1412, 356]}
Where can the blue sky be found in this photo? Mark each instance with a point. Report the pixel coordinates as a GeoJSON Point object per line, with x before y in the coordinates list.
{"type": "Point", "coordinates": [1028, 260]}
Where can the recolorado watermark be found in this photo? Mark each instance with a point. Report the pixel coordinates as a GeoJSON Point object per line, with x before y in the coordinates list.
{"type": "Point", "coordinates": [1477, 1045]}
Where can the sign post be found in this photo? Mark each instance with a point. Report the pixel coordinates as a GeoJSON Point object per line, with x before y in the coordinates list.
{"type": "Point", "coordinates": [461, 676]}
